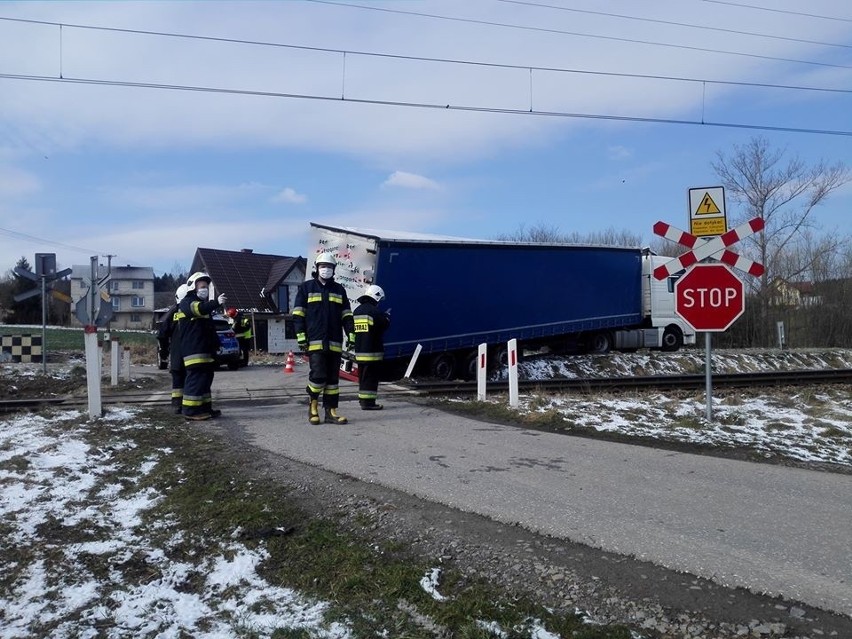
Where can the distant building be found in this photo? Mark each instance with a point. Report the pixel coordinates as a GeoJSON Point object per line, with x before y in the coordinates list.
{"type": "Point", "coordinates": [793, 294]}
{"type": "Point", "coordinates": [260, 285]}
{"type": "Point", "coordinates": [128, 289]}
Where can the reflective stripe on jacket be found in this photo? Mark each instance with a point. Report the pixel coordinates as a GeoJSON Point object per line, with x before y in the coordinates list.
{"type": "Point", "coordinates": [370, 326]}
{"type": "Point", "coordinates": [198, 338]}
{"type": "Point", "coordinates": [321, 313]}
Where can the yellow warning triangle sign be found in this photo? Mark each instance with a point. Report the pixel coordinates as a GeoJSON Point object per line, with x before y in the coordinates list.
{"type": "Point", "coordinates": [707, 206]}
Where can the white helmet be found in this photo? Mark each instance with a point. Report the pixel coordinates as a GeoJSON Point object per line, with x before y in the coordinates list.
{"type": "Point", "coordinates": [180, 293]}
{"type": "Point", "coordinates": [375, 292]}
{"type": "Point", "coordinates": [326, 257]}
{"type": "Point", "coordinates": [192, 279]}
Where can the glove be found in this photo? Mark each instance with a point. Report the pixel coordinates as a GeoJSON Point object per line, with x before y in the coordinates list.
{"type": "Point", "coordinates": [351, 342]}
{"type": "Point", "coordinates": [303, 346]}
{"type": "Point", "coordinates": [222, 299]}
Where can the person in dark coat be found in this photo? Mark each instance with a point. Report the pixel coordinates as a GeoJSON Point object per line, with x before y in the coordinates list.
{"type": "Point", "coordinates": [168, 337]}
{"type": "Point", "coordinates": [242, 331]}
{"type": "Point", "coordinates": [199, 343]}
{"type": "Point", "coordinates": [370, 326]}
{"type": "Point", "coordinates": [321, 315]}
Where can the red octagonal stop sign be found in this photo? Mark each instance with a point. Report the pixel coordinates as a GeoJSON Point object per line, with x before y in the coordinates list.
{"type": "Point", "coordinates": [709, 297]}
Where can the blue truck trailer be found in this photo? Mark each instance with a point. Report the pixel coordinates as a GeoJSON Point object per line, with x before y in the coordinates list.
{"type": "Point", "coordinates": [449, 295]}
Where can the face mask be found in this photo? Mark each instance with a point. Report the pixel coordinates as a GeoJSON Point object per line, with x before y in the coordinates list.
{"type": "Point", "coordinates": [326, 272]}
{"type": "Point", "coordinates": [203, 293]}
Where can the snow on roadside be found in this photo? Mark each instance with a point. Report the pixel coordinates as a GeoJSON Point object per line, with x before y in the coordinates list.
{"type": "Point", "coordinates": [68, 509]}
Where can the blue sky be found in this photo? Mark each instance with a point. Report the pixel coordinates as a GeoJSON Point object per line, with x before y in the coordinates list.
{"type": "Point", "coordinates": [150, 174]}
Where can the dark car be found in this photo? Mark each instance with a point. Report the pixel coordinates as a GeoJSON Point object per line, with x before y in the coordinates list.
{"type": "Point", "coordinates": [229, 348]}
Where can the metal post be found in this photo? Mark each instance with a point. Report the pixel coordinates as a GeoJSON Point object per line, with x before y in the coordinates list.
{"type": "Point", "coordinates": [708, 377]}
{"type": "Point", "coordinates": [512, 345]}
{"type": "Point", "coordinates": [481, 371]}
{"type": "Point", "coordinates": [114, 362]}
{"type": "Point", "coordinates": [43, 324]}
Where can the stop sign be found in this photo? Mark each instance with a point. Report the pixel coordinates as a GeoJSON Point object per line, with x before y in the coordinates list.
{"type": "Point", "coordinates": [709, 297]}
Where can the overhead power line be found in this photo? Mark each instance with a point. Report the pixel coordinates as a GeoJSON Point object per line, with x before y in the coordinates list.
{"type": "Point", "coordinates": [32, 238]}
{"type": "Point", "coordinates": [579, 34]}
{"type": "Point", "coordinates": [425, 105]}
{"type": "Point", "coordinates": [396, 56]}
{"type": "Point", "coordinates": [773, 10]}
{"type": "Point", "coordinates": [676, 24]}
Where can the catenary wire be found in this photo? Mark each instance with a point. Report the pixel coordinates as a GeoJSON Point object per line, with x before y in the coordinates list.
{"type": "Point", "coordinates": [774, 10]}
{"type": "Point", "coordinates": [506, 25]}
{"type": "Point", "coordinates": [26, 236]}
{"type": "Point", "coordinates": [675, 24]}
{"type": "Point", "coordinates": [424, 105]}
{"type": "Point", "coordinates": [396, 56]}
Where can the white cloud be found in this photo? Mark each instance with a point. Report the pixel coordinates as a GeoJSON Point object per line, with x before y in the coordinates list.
{"type": "Point", "coordinates": [411, 181]}
{"type": "Point", "coordinates": [618, 152]}
{"type": "Point", "coordinates": [290, 196]}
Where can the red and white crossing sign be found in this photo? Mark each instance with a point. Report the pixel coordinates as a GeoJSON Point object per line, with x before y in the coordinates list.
{"type": "Point", "coordinates": [709, 297]}
{"type": "Point", "coordinates": [704, 248]}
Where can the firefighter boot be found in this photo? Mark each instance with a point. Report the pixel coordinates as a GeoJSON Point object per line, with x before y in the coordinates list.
{"type": "Point", "coordinates": [370, 404]}
{"type": "Point", "coordinates": [331, 417]}
{"type": "Point", "coordinates": [313, 412]}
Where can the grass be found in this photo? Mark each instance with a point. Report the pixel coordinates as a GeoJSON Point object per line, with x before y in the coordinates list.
{"type": "Point", "coordinates": [373, 587]}
{"type": "Point", "coordinates": [71, 339]}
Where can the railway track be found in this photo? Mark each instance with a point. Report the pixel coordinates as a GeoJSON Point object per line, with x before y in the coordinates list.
{"type": "Point", "coordinates": [425, 388]}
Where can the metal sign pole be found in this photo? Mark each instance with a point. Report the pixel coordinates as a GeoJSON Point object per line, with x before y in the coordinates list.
{"type": "Point", "coordinates": [708, 377]}
{"type": "Point", "coordinates": [43, 324]}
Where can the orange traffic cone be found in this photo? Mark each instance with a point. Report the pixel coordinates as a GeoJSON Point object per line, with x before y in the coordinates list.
{"type": "Point", "coordinates": [289, 367]}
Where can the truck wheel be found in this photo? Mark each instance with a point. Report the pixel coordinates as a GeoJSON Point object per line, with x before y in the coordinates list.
{"type": "Point", "coordinates": [443, 366]}
{"type": "Point", "coordinates": [470, 365]}
{"type": "Point", "coordinates": [498, 358]}
{"type": "Point", "coordinates": [600, 343]}
{"type": "Point", "coordinates": [672, 338]}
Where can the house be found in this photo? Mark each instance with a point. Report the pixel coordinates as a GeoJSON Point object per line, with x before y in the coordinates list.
{"type": "Point", "coordinates": [129, 289]}
{"type": "Point", "coordinates": [793, 294]}
{"type": "Point", "coordinates": [260, 285]}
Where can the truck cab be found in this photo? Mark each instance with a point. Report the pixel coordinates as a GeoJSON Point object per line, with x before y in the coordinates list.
{"type": "Point", "coordinates": [658, 305]}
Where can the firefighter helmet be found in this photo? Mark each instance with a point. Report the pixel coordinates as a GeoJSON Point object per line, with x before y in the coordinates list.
{"type": "Point", "coordinates": [180, 293]}
{"type": "Point", "coordinates": [325, 257]}
{"type": "Point", "coordinates": [375, 292]}
{"type": "Point", "coordinates": [192, 279]}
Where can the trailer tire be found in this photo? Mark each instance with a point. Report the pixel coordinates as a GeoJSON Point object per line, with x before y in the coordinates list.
{"type": "Point", "coordinates": [600, 343]}
{"type": "Point", "coordinates": [672, 339]}
{"type": "Point", "coordinates": [470, 365]}
{"type": "Point", "coordinates": [443, 366]}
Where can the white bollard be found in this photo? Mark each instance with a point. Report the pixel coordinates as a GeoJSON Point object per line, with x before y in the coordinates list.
{"type": "Point", "coordinates": [513, 373]}
{"type": "Point", "coordinates": [93, 373]}
{"type": "Point", "coordinates": [413, 361]}
{"type": "Point", "coordinates": [481, 370]}
{"type": "Point", "coordinates": [114, 356]}
{"type": "Point", "coordinates": [125, 364]}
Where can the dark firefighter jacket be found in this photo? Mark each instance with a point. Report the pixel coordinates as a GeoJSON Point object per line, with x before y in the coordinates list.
{"type": "Point", "coordinates": [321, 313]}
{"type": "Point", "coordinates": [168, 336]}
{"type": "Point", "coordinates": [370, 326]}
{"type": "Point", "coordinates": [242, 326]}
{"type": "Point", "coordinates": [198, 339]}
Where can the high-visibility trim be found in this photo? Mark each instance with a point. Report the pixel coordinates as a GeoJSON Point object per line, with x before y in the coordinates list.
{"type": "Point", "coordinates": [197, 358]}
{"type": "Point", "coordinates": [346, 313]}
{"type": "Point", "coordinates": [179, 315]}
{"type": "Point", "coordinates": [177, 393]}
{"type": "Point", "coordinates": [332, 390]}
{"type": "Point", "coordinates": [315, 347]}
{"type": "Point", "coordinates": [335, 347]}
{"type": "Point", "coordinates": [332, 297]}
{"type": "Point", "coordinates": [363, 323]}
{"type": "Point", "coordinates": [315, 297]}
{"type": "Point", "coordinates": [300, 311]}
{"type": "Point", "coordinates": [194, 306]}
{"type": "Point", "coordinates": [313, 388]}
{"type": "Point", "coordinates": [367, 395]}
{"type": "Point", "coordinates": [369, 357]}
{"type": "Point", "coordinates": [193, 400]}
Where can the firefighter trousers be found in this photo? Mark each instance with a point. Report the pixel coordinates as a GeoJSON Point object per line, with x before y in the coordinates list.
{"type": "Point", "coordinates": [197, 394]}
{"type": "Point", "coordinates": [324, 377]}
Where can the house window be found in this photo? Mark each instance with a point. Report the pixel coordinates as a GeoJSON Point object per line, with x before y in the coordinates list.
{"type": "Point", "coordinates": [137, 301]}
{"type": "Point", "coordinates": [135, 317]}
{"type": "Point", "coordinates": [114, 285]}
{"type": "Point", "coordinates": [138, 284]}
{"type": "Point", "coordinates": [116, 303]}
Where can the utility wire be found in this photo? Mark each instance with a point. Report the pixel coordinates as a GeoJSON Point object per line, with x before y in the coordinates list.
{"type": "Point", "coordinates": [422, 105]}
{"type": "Point", "coordinates": [25, 236]}
{"type": "Point", "coordinates": [794, 13]}
{"type": "Point", "coordinates": [577, 34]}
{"type": "Point", "coordinates": [676, 24]}
{"type": "Point", "coordinates": [394, 56]}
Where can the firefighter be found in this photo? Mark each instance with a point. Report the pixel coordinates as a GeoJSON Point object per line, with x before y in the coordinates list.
{"type": "Point", "coordinates": [370, 326]}
{"type": "Point", "coordinates": [242, 331]}
{"type": "Point", "coordinates": [199, 343]}
{"type": "Point", "coordinates": [168, 337]}
{"type": "Point", "coordinates": [321, 315]}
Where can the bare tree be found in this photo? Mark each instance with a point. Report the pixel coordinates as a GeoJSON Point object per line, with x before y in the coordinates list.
{"type": "Point", "coordinates": [784, 191]}
{"type": "Point", "coordinates": [542, 233]}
